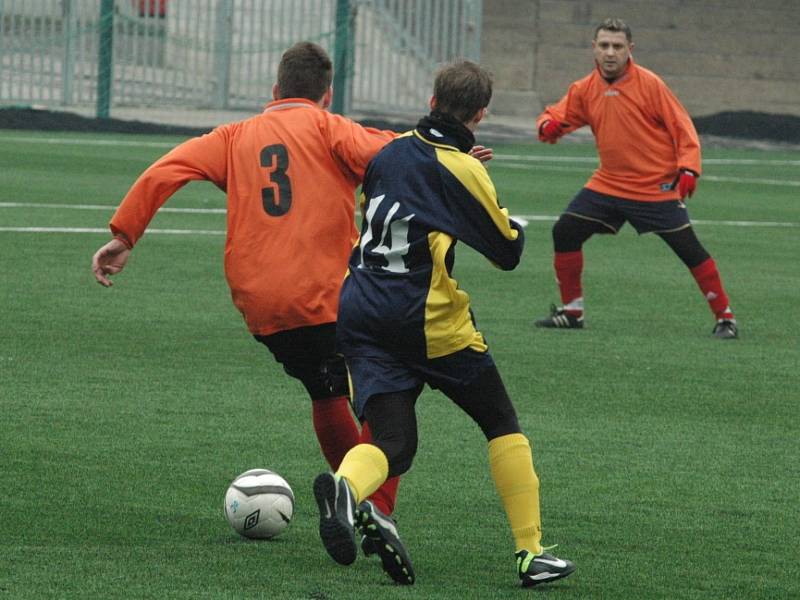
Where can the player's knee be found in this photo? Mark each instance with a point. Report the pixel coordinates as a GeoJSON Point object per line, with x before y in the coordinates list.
{"type": "Point", "coordinates": [400, 451]}
{"type": "Point", "coordinates": [328, 379]}
{"type": "Point", "coordinates": [392, 422]}
{"type": "Point", "coordinates": [333, 376]}
{"type": "Point", "coordinates": [567, 236]}
{"type": "Point", "coordinates": [685, 244]}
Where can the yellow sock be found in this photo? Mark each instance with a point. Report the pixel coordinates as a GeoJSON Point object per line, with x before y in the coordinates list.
{"type": "Point", "coordinates": [365, 467]}
{"type": "Point", "coordinates": [511, 464]}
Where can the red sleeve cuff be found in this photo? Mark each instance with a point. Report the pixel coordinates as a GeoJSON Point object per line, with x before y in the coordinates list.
{"type": "Point", "coordinates": [122, 238]}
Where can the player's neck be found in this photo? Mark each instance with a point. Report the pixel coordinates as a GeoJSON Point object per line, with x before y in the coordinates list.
{"type": "Point", "coordinates": [458, 131]}
{"type": "Point", "coordinates": [617, 77]}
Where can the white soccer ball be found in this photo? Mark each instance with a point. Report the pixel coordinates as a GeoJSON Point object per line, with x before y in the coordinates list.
{"type": "Point", "coordinates": [259, 504]}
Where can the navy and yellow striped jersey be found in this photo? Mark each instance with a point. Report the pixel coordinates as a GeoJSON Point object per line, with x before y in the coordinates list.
{"type": "Point", "coordinates": [421, 194]}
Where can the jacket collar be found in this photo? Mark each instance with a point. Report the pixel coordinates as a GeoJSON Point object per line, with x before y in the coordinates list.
{"type": "Point", "coordinates": [629, 68]}
{"type": "Point", "coordinates": [443, 129]}
{"type": "Point", "coordinates": [291, 103]}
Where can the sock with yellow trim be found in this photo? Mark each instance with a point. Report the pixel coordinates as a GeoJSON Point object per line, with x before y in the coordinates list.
{"type": "Point", "coordinates": [385, 497]}
{"type": "Point", "coordinates": [365, 467]}
{"type": "Point", "coordinates": [511, 464]}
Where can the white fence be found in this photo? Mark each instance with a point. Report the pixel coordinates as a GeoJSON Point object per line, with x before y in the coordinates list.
{"type": "Point", "coordinates": [223, 54]}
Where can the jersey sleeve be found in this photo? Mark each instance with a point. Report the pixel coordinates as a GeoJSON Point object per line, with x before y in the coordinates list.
{"type": "Point", "coordinates": [200, 158]}
{"type": "Point", "coordinates": [354, 145]}
{"type": "Point", "coordinates": [568, 111]}
{"type": "Point", "coordinates": [478, 219]}
{"type": "Point", "coordinates": [680, 127]}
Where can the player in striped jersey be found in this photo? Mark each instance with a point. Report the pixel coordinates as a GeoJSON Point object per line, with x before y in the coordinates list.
{"type": "Point", "coordinates": [404, 321]}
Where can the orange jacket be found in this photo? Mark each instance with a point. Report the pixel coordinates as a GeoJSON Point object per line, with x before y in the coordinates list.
{"type": "Point", "coordinates": [290, 175]}
{"type": "Point", "coordinates": [643, 133]}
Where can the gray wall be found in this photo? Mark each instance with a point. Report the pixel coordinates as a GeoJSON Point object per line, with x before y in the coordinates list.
{"type": "Point", "coordinates": [716, 55]}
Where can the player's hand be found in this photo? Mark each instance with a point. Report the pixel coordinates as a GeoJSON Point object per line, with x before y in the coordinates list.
{"type": "Point", "coordinates": [686, 183]}
{"type": "Point", "coordinates": [550, 131]}
{"type": "Point", "coordinates": [482, 153]}
{"type": "Point", "coordinates": [110, 259]}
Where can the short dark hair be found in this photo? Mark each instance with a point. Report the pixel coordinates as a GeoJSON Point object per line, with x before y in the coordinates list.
{"type": "Point", "coordinates": [614, 24]}
{"type": "Point", "coordinates": [461, 89]}
{"type": "Point", "coordinates": [305, 71]}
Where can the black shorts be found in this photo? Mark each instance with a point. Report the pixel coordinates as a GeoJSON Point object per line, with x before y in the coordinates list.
{"type": "Point", "coordinates": [309, 354]}
{"type": "Point", "coordinates": [612, 212]}
{"type": "Point", "coordinates": [383, 373]}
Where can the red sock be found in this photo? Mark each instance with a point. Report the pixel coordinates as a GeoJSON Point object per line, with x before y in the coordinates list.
{"type": "Point", "coordinates": [569, 266]}
{"type": "Point", "coordinates": [385, 496]}
{"type": "Point", "coordinates": [709, 282]}
{"type": "Point", "coordinates": [336, 428]}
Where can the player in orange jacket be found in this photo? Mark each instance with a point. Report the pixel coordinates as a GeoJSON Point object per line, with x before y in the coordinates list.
{"type": "Point", "coordinates": [649, 164]}
{"type": "Point", "coordinates": [290, 175]}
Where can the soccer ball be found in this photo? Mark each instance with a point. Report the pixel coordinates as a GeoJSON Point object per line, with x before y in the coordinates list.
{"type": "Point", "coordinates": [259, 504]}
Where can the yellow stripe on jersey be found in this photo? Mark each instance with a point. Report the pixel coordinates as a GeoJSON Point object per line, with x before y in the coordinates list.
{"type": "Point", "coordinates": [430, 143]}
{"type": "Point", "coordinates": [448, 324]}
{"type": "Point", "coordinates": [473, 176]}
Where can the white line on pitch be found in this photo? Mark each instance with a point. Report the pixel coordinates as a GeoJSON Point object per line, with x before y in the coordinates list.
{"type": "Point", "coordinates": [499, 157]}
{"type": "Point", "coordinates": [788, 182]}
{"type": "Point", "coordinates": [715, 178]}
{"type": "Point", "coordinates": [88, 142]}
{"type": "Point", "coordinates": [166, 209]}
{"type": "Point", "coordinates": [592, 159]}
{"type": "Point", "coordinates": [222, 211]}
{"type": "Point", "coordinates": [103, 230]}
{"type": "Point", "coordinates": [522, 218]}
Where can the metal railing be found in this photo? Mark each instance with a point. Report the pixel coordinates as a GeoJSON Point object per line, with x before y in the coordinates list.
{"type": "Point", "coordinates": [223, 54]}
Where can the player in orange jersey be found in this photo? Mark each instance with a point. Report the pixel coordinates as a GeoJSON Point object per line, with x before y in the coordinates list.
{"type": "Point", "coordinates": [290, 175]}
{"type": "Point", "coordinates": [649, 163]}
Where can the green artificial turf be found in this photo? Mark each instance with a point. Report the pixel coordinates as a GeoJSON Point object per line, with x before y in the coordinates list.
{"type": "Point", "coordinates": [668, 460]}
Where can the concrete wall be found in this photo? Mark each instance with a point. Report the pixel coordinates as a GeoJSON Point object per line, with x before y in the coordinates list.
{"type": "Point", "coordinates": [716, 55]}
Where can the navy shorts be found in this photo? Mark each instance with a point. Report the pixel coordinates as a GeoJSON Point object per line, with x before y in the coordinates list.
{"type": "Point", "coordinates": [383, 373]}
{"type": "Point", "coordinates": [646, 217]}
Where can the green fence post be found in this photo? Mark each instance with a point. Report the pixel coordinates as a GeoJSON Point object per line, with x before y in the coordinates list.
{"type": "Point", "coordinates": [341, 59]}
{"type": "Point", "coordinates": [68, 66]}
{"type": "Point", "coordinates": [105, 51]}
{"type": "Point", "coordinates": [223, 44]}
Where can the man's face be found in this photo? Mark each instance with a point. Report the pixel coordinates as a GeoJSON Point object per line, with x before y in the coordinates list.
{"type": "Point", "coordinates": [611, 51]}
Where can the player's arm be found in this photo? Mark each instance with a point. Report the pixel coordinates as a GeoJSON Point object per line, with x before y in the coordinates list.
{"type": "Point", "coordinates": [684, 135]}
{"type": "Point", "coordinates": [110, 259]}
{"type": "Point", "coordinates": [201, 158]}
{"type": "Point", "coordinates": [355, 145]}
{"type": "Point", "coordinates": [477, 217]}
{"type": "Point", "coordinates": [561, 118]}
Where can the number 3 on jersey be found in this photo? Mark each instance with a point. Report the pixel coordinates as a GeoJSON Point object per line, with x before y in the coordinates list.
{"type": "Point", "coordinates": [276, 160]}
{"type": "Point", "coordinates": [395, 231]}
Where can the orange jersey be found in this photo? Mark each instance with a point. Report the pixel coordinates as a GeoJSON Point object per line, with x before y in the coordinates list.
{"type": "Point", "coordinates": [643, 133]}
{"type": "Point", "coordinates": [290, 175]}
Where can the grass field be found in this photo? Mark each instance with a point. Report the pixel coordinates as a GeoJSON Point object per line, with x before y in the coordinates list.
{"type": "Point", "coordinates": [669, 461]}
